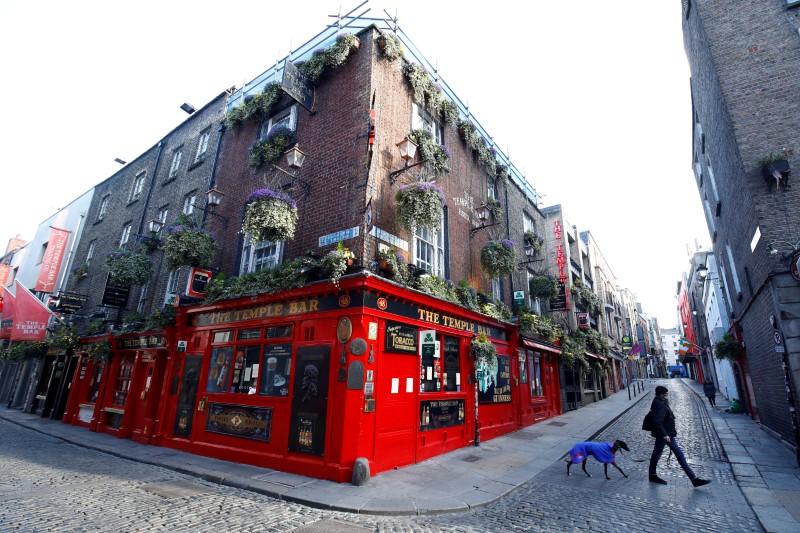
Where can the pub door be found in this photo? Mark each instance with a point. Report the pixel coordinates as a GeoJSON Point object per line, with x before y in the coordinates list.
{"type": "Point", "coordinates": [572, 386]}
{"type": "Point", "coordinates": [552, 386]}
{"type": "Point", "coordinates": [62, 391]}
{"type": "Point", "coordinates": [151, 368]}
{"type": "Point", "coordinates": [397, 418]}
{"type": "Point", "coordinates": [187, 396]}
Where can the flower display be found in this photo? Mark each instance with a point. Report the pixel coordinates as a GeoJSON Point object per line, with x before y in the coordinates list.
{"type": "Point", "coordinates": [270, 216]}
{"type": "Point", "coordinates": [335, 262]}
{"type": "Point", "coordinates": [420, 204]}
{"type": "Point", "coordinates": [498, 258]}
{"type": "Point", "coordinates": [436, 156]}
{"type": "Point", "coordinates": [390, 45]}
{"type": "Point", "coordinates": [81, 271]}
{"type": "Point", "coordinates": [484, 352]}
{"type": "Point", "coordinates": [543, 286]}
{"type": "Point", "coordinates": [254, 107]}
{"type": "Point", "coordinates": [100, 351]}
{"type": "Point", "coordinates": [128, 267]}
{"type": "Point", "coordinates": [271, 148]}
{"type": "Point", "coordinates": [186, 244]}
{"type": "Point", "coordinates": [332, 57]}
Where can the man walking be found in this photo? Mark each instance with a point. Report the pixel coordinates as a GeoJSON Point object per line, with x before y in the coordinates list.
{"type": "Point", "coordinates": [665, 435]}
{"type": "Point", "coordinates": [711, 392]}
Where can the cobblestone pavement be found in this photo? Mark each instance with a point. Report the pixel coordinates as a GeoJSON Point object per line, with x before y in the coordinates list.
{"type": "Point", "coordinates": [49, 485]}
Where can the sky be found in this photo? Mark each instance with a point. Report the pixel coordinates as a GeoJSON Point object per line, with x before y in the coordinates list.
{"type": "Point", "coordinates": [589, 99]}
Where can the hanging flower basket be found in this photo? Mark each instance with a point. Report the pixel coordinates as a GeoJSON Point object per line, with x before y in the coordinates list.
{"type": "Point", "coordinates": [484, 352]}
{"type": "Point", "coordinates": [270, 216]}
{"type": "Point", "coordinates": [254, 106]}
{"type": "Point", "coordinates": [271, 148]}
{"type": "Point", "coordinates": [336, 262]}
{"type": "Point", "coordinates": [775, 169]}
{"type": "Point", "coordinates": [81, 271]}
{"type": "Point", "coordinates": [543, 287]}
{"type": "Point", "coordinates": [436, 156]}
{"type": "Point", "coordinates": [99, 352]}
{"type": "Point", "coordinates": [128, 268]}
{"type": "Point", "coordinates": [420, 205]}
{"type": "Point", "coordinates": [728, 348]}
{"type": "Point", "coordinates": [188, 245]}
{"type": "Point", "coordinates": [498, 258]}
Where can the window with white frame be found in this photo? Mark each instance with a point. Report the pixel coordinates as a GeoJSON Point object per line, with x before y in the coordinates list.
{"type": "Point", "coordinates": [202, 145]}
{"type": "Point", "coordinates": [101, 213]}
{"type": "Point", "coordinates": [172, 287]}
{"type": "Point", "coordinates": [527, 223]}
{"type": "Point", "coordinates": [491, 185]}
{"type": "Point", "coordinates": [138, 186]}
{"type": "Point", "coordinates": [534, 302]}
{"type": "Point", "coordinates": [90, 253]}
{"type": "Point", "coordinates": [287, 118]}
{"type": "Point", "coordinates": [176, 162]}
{"type": "Point", "coordinates": [260, 255]}
{"type": "Point", "coordinates": [497, 289]}
{"type": "Point", "coordinates": [429, 250]}
{"type": "Point", "coordinates": [126, 235]}
{"type": "Point", "coordinates": [421, 119]}
{"type": "Point", "coordinates": [163, 213]}
{"type": "Point", "coordinates": [188, 203]}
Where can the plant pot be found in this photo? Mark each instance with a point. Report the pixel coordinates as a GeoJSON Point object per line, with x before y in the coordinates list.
{"type": "Point", "coordinates": [386, 267]}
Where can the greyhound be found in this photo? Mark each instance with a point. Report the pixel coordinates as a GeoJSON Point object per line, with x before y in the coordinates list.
{"type": "Point", "coordinates": [602, 451]}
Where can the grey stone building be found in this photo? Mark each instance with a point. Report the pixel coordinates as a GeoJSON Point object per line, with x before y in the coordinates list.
{"type": "Point", "coordinates": [745, 72]}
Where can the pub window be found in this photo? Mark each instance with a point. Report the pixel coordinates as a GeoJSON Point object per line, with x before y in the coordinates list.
{"type": "Point", "coordinates": [535, 369]}
{"type": "Point", "coordinates": [452, 365]}
{"type": "Point", "coordinates": [123, 383]}
{"type": "Point", "coordinates": [523, 369]}
{"type": "Point", "coordinates": [421, 119]}
{"type": "Point", "coordinates": [429, 249]}
{"type": "Point", "coordinates": [258, 256]}
{"type": "Point", "coordinates": [251, 366]}
{"type": "Point", "coordinates": [101, 213]}
{"type": "Point", "coordinates": [94, 385]}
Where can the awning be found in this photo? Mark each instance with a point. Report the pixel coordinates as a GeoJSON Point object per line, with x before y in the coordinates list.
{"type": "Point", "coordinates": [537, 346]}
{"type": "Point", "coordinates": [596, 356]}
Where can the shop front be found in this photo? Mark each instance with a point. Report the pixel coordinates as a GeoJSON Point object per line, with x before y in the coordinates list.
{"type": "Point", "coordinates": [540, 390]}
{"type": "Point", "coordinates": [87, 386]}
{"type": "Point", "coordinates": [309, 380]}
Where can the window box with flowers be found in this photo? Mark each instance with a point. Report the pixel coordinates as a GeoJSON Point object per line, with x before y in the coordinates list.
{"type": "Point", "coordinates": [81, 271]}
{"type": "Point", "coordinates": [336, 262]}
{"type": "Point", "coordinates": [254, 107]}
{"type": "Point", "coordinates": [270, 216]}
{"type": "Point", "coordinates": [392, 262]}
{"type": "Point", "coordinates": [271, 148]}
{"type": "Point", "coordinates": [390, 45]}
{"type": "Point", "coordinates": [498, 258]}
{"type": "Point", "coordinates": [420, 205]}
{"type": "Point", "coordinates": [100, 351]}
{"type": "Point", "coordinates": [128, 268]}
{"type": "Point", "coordinates": [436, 156]}
{"type": "Point", "coordinates": [186, 244]}
{"type": "Point", "coordinates": [333, 57]}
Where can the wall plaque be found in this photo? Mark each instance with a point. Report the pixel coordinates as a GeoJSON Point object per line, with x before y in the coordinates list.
{"type": "Point", "coordinates": [401, 338]}
{"type": "Point", "coordinates": [240, 421]}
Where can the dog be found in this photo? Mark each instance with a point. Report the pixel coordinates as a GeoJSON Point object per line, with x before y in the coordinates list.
{"type": "Point", "coordinates": [602, 451]}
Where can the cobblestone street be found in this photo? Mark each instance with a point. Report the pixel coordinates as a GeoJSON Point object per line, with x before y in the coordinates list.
{"type": "Point", "coordinates": [49, 485]}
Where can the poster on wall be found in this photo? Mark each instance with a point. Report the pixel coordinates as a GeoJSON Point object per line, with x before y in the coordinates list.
{"type": "Point", "coordinates": [437, 414]}
{"type": "Point", "coordinates": [310, 400]}
{"type": "Point", "coordinates": [244, 421]}
{"type": "Point", "coordinates": [184, 410]}
{"type": "Point", "coordinates": [494, 382]}
{"type": "Point", "coordinates": [401, 338]}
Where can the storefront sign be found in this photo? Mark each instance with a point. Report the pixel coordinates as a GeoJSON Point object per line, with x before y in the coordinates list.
{"type": "Point", "coordinates": [69, 302]}
{"type": "Point", "coordinates": [441, 414]}
{"type": "Point", "coordinates": [115, 295]}
{"type": "Point", "coordinates": [428, 342]}
{"type": "Point", "coordinates": [559, 303]}
{"type": "Point", "coordinates": [494, 383]}
{"type": "Point", "coordinates": [144, 341]}
{"type": "Point", "coordinates": [243, 421]}
{"type": "Point", "coordinates": [400, 338]}
{"type": "Point", "coordinates": [296, 85]}
{"type": "Point", "coordinates": [277, 309]}
{"type": "Point", "coordinates": [196, 284]}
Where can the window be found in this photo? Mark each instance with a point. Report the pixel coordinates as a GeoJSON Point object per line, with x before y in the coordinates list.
{"type": "Point", "coordinates": [140, 307]}
{"type": "Point", "coordinates": [527, 223]}
{"type": "Point", "coordinates": [535, 370]}
{"type": "Point", "coordinates": [523, 367]}
{"type": "Point", "coordinates": [172, 287]}
{"type": "Point", "coordinates": [491, 185]}
{"type": "Point", "coordinates": [444, 372]}
{"type": "Point", "coordinates": [176, 162]}
{"type": "Point", "coordinates": [497, 289]}
{"type": "Point", "coordinates": [202, 146]}
{"type": "Point", "coordinates": [138, 186]}
{"type": "Point", "coordinates": [534, 302]}
{"type": "Point", "coordinates": [42, 251]}
{"type": "Point", "coordinates": [126, 235]}
{"type": "Point", "coordinates": [90, 253]}
{"type": "Point", "coordinates": [452, 365]}
{"type": "Point", "coordinates": [287, 118]}
{"type": "Point", "coordinates": [188, 203]}
{"type": "Point", "coordinates": [261, 255]}
{"type": "Point", "coordinates": [254, 362]}
{"type": "Point", "coordinates": [163, 213]}
{"type": "Point", "coordinates": [421, 119]}
{"type": "Point", "coordinates": [103, 207]}
{"type": "Point", "coordinates": [429, 249]}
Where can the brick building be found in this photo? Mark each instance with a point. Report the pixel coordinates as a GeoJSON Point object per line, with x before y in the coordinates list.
{"type": "Point", "coordinates": [745, 70]}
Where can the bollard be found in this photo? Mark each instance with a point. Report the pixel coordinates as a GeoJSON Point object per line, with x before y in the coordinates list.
{"type": "Point", "coordinates": [629, 390]}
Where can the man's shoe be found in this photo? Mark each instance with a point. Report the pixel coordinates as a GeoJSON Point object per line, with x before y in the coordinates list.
{"type": "Point", "coordinates": [656, 479]}
{"type": "Point", "coordinates": [697, 482]}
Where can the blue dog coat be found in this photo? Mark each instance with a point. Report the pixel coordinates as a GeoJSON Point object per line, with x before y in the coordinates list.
{"type": "Point", "coordinates": [600, 450]}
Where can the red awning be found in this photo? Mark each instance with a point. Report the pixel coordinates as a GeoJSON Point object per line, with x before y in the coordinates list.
{"type": "Point", "coordinates": [596, 356]}
{"type": "Point", "coordinates": [537, 346]}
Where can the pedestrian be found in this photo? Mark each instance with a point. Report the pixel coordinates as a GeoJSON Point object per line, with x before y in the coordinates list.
{"type": "Point", "coordinates": [711, 392]}
{"type": "Point", "coordinates": [666, 435]}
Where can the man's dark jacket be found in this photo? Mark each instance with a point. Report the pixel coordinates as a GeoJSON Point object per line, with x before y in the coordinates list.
{"type": "Point", "coordinates": [663, 419]}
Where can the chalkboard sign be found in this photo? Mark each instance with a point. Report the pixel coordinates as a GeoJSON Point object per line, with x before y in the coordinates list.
{"type": "Point", "coordinates": [115, 294]}
{"type": "Point", "coordinates": [296, 85]}
{"type": "Point", "coordinates": [559, 303]}
{"type": "Point", "coordinates": [401, 338]}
